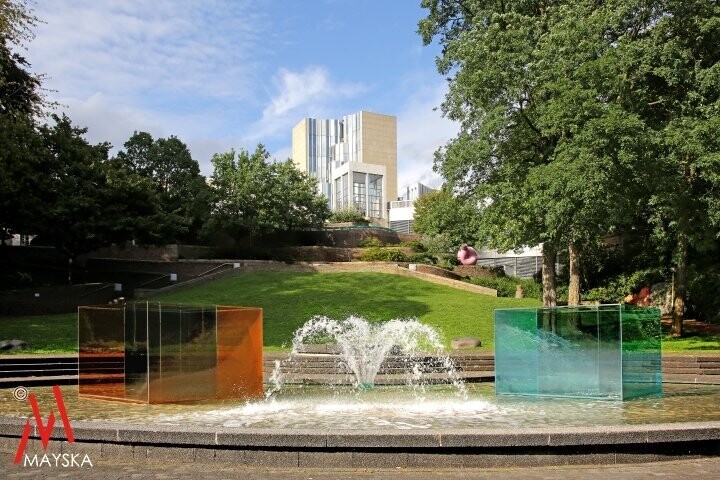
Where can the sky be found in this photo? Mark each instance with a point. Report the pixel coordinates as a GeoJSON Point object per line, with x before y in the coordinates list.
{"type": "Point", "coordinates": [222, 74]}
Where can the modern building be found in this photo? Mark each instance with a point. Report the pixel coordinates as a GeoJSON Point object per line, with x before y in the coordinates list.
{"type": "Point", "coordinates": [354, 160]}
{"type": "Point", "coordinates": [402, 212]}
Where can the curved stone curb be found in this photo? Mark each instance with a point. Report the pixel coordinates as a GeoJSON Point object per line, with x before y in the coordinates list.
{"type": "Point", "coordinates": [354, 449]}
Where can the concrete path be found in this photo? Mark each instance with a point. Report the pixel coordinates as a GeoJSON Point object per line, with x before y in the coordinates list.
{"type": "Point", "coordinates": [705, 468]}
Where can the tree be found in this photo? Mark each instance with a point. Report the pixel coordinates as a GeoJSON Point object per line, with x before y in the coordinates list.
{"type": "Point", "coordinates": [555, 136]}
{"type": "Point", "coordinates": [181, 195]}
{"type": "Point", "coordinates": [90, 202]}
{"type": "Point", "coordinates": [23, 181]}
{"type": "Point", "coordinates": [441, 213]}
{"type": "Point", "coordinates": [671, 74]}
{"type": "Point", "coordinates": [255, 197]}
{"type": "Point", "coordinates": [509, 97]}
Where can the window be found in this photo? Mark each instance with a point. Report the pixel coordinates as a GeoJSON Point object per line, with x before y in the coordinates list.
{"type": "Point", "coordinates": [359, 193]}
{"type": "Point", "coordinates": [375, 195]}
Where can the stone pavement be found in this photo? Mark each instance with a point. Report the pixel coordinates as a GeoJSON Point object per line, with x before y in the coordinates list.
{"type": "Point", "coordinates": [705, 468]}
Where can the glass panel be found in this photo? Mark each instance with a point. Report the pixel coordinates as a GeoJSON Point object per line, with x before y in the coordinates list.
{"type": "Point", "coordinates": [136, 352]}
{"type": "Point", "coordinates": [516, 351]}
{"type": "Point", "coordinates": [604, 351]}
{"type": "Point", "coordinates": [610, 354]}
{"type": "Point", "coordinates": [240, 361]}
{"type": "Point", "coordinates": [155, 353]}
{"type": "Point", "coordinates": [641, 351]}
{"type": "Point", "coordinates": [101, 351]}
{"type": "Point", "coordinates": [375, 195]}
{"type": "Point", "coordinates": [568, 353]}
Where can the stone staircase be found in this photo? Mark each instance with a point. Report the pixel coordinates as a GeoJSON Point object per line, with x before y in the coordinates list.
{"type": "Point", "coordinates": [313, 368]}
{"type": "Point", "coordinates": [691, 369]}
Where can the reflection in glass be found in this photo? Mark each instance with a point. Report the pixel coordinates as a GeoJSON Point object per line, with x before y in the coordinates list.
{"type": "Point", "coordinates": [158, 353]}
{"type": "Point", "coordinates": [599, 351]}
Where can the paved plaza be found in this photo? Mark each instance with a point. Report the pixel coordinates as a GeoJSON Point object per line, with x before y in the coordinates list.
{"type": "Point", "coordinates": [706, 468]}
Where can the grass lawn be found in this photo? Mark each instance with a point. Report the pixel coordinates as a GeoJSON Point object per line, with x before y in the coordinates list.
{"type": "Point", "coordinates": [44, 333]}
{"type": "Point", "coordinates": [692, 342]}
{"type": "Point", "coordinates": [290, 299]}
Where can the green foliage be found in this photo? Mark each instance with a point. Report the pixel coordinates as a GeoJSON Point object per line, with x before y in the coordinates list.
{"type": "Point", "coordinates": [416, 245]}
{"type": "Point", "coordinates": [421, 257]}
{"type": "Point", "coordinates": [581, 118]}
{"type": "Point", "coordinates": [441, 213]}
{"type": "Point", "coordinates": [448, 262]}
{"type": "Point", "coordinates": [255, 197]}
{"type": "Point", "coordinates": [506, 286]}
{"type": "Point", "coordinates": [346, 214]}
{"type": "Point", "coordinates": [181, 197]}
{"type": "Point", "coordinates": [617, 288]}
{"type": "Point", "coordinates": [89, 201]}
{"type": "Point", "coordinates": [703, 288]}
{"type": "Point", "coordinates": [377, 254]}
{"type": "Point", "coordinates": [368, 242]}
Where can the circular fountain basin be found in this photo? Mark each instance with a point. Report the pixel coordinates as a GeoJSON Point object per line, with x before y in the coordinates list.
{"type": "Point", "coordinates": [389, 427]}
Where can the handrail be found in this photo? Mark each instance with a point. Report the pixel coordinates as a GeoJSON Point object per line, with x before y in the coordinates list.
{"type": "Point", "coordinates": [214, 268]}
{"type": "Point", "coordinates": [98, 290]}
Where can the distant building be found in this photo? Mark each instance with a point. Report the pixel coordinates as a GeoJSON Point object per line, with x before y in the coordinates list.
{"type": "Point", "coordinates": [402, 211]}
{"type": "Point", "coordinates": [18, 240]}
{"type": "Point", "coordinates": [354, 160]}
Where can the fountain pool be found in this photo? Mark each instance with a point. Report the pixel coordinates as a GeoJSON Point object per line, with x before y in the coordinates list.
{"type": "Point", "coordinates": [433, 407]}
{"type": "Point", "coordinates": [419, 424]}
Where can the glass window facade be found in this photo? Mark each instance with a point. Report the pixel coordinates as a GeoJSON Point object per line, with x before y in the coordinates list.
{"type": "Point", "coordinates": [375, 195]}
{"type": "Point", "coordinates": [602, 351]}
{"type": "Point", "coordinates": [160, 353]}
{"type": "Point", "coordinates": [360, 191]}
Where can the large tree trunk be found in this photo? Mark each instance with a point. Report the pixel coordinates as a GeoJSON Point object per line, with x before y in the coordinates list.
{"type": "Point", "coordinates": [574, 285]}
{"type": "Point", "coordinates": [548, 275]}
{"type": "Point", "coordinates": [678, 311]}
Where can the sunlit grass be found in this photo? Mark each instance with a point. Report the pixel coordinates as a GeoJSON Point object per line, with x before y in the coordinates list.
{"type": "Point", "coordinates": [289, 300]}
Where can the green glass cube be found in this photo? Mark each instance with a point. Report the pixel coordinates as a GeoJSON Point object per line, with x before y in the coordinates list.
{"type": "Point", "coordinates": [596, 351]}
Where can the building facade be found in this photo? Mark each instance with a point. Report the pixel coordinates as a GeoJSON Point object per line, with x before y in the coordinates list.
{"type": "Point", "coordinates": [402, 211]}
{"type": "Point", "coordinates": [354, 160]}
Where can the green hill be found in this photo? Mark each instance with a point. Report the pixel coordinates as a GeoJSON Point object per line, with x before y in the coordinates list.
{"type": "Point", "coordinates": [289, 300]}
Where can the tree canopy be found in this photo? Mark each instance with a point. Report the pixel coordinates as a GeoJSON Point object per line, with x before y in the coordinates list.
{"type": "Point", "coordinates": [577, 118]}
{"type": "Point", "coordinates": [256, 197]}
{"type": "Point", "coordinates": [181, 195]}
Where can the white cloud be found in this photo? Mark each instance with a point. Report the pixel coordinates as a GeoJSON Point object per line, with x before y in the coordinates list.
{"type": "Point", "coordinates": [421, 131]}
{"type": "Point", "coordinates": [136, 52]}
{"type": "Point", "coordinates": [106, 123]}
{"type": "Point", "coordinates": [306, 93]}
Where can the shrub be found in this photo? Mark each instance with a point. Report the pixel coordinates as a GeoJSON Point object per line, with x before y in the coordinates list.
{"type": "Point", "coordinates": [446, 261]}
{"type": "Point", "coordinates": [369, 242]}
{"type": "Point", "coordinates": [416, 245]}
{"type": "Point", "coordinates": [347, 214]}
{"type": "Point", "coordinates": [506, 286]}
{"type": "Point", "coordinates": [620, 286]}
{"type": "Point", "coordinates": [421, 257]}
{"type": "Point", "coordinates": [376, 254]}
{"type": "Point", "coordinates": [703, 285]}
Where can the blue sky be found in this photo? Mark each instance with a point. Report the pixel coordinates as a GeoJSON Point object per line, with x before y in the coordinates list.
{"type": "Point", "coordinates": [223, 74]}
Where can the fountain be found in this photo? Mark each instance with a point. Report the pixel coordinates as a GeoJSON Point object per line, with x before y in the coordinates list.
{"type": "Point", "coordinates": [366, 424]}
{"type": "Point", "coordinates": [362, 347]}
